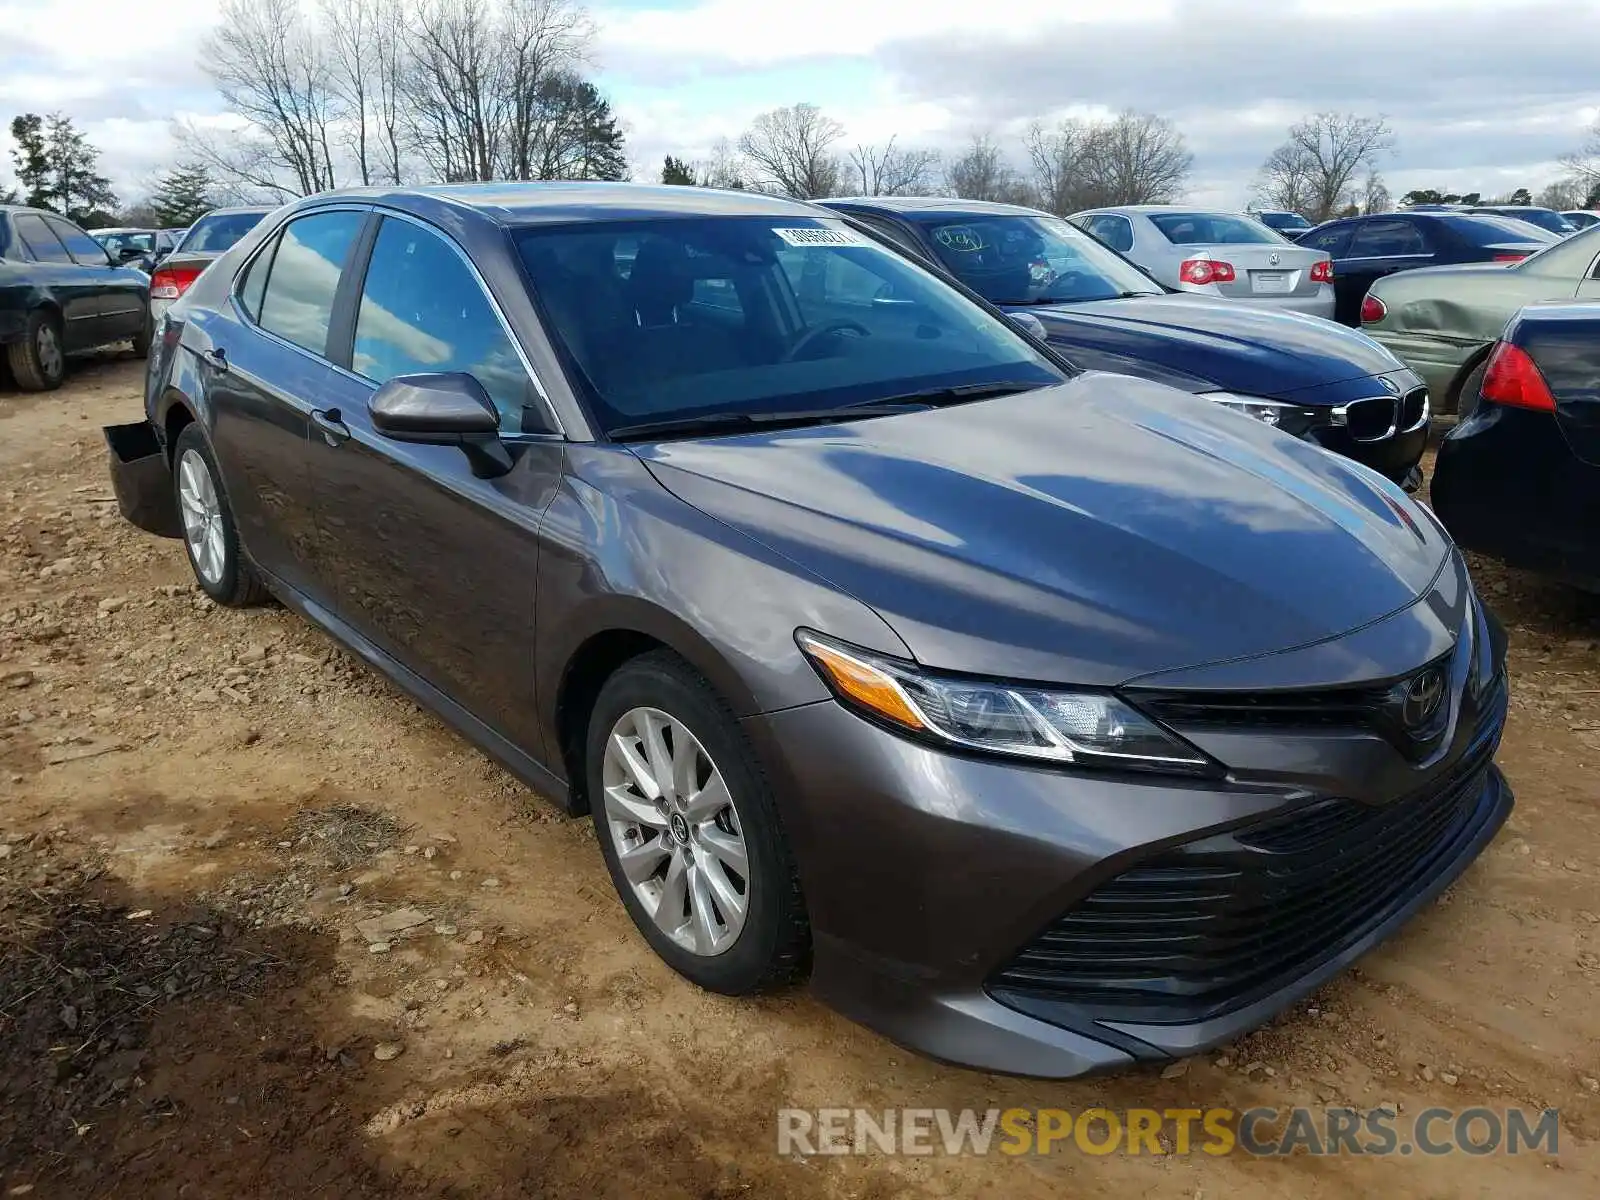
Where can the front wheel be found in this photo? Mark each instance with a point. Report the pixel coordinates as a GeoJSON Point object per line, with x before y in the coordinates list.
{"type": "Point", "coordinates": [690, 832]}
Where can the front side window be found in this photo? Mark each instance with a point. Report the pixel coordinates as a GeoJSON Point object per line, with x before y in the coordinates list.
{"type": "Point", "coordinates": [423, 310]}
{"type": "Point", "coordinates": [1212, 229]}
{"type": "Point", "coordinates": [298, 302]}
{"type": "Point", "coordinates": [1033, 260]}
{"type": "Point", "coordinates": [817, 316]}
{"type": "Point", "coordinates": [85, 251]}
{"type": "Point", "coordinates": [43, 244]}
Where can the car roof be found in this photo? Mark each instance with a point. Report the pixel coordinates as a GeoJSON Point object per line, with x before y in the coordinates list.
{"type": "Point", "coordinates": [125, 229]}
{"type": "Point", "coordinates": [944, 206]}
{"type": "Point", "coordinates": [232, 208]}
{"type": "Point", "coordinates": [572, 202]}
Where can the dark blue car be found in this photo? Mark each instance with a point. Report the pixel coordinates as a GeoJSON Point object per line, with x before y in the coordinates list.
{"type": "Point", "coordinates": [1365, 249]}
{"type": "Point", "coordinates": [1309, 377]}
{"type": "Point", "coordinates": [1519, 478]}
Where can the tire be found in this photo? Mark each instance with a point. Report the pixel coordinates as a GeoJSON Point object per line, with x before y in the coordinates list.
{"type": "Point", "coordinates": [38, 362]}
{"type": "Point", "coordinates": [771, 945]}
{"type": "Point", "coordinates": [141, 340]}
{"type": "Point", "coordinates": [210, 537]}
{"type": "Point", "coordinates": [1467, 398]}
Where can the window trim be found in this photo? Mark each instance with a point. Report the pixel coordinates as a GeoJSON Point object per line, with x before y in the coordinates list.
{"type": "Point", "coordinates": [52, 221]}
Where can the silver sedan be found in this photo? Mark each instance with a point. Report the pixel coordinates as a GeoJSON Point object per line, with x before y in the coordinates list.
{"type": "Point", "coordinates": [1216, 254]}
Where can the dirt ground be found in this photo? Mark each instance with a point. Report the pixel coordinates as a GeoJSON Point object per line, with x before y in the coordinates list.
{"type": "Point", "coordinates": [199, 809]}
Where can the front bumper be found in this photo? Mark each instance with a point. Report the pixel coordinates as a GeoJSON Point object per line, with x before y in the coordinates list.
{"type": "Point", "coordinates": [929, 875]}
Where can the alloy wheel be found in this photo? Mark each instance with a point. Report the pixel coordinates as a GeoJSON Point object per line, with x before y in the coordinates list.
{"type": "Point", "coordinates": [49, 350]}
{"type": "Point", "coordinates": [202, 518]}
{"type": "Point", "coordinates": [677, 833]}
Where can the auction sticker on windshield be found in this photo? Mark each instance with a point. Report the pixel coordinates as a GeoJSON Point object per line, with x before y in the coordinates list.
{"type": "Point", "coordinates": [811, 236]}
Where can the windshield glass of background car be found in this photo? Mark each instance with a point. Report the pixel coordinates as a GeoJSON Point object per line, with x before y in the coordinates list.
{"type": "Point", "coordinates": [217, 233]}
{"type": "Point", "coordinates": [703, 317]}
{"type": "Point", "coordinates": [1210, 229]}
{"type": "Point", "coordinates": [1033, 260]}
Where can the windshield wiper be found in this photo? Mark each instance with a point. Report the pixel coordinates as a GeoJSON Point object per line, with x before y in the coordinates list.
{"type": "Point", "coordinates": [708, 424]}
{"type": "Point", "coordinates": [964, 392]}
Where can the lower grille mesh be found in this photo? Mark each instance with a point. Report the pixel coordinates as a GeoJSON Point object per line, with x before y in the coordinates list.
{"type": "Point", "coordinates": [1210, 925]}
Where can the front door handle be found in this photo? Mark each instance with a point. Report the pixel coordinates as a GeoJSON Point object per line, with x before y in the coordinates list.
{"type": "Point", "coordinates": [334, 431]}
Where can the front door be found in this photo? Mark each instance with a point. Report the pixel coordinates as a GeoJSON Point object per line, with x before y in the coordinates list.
{"type": "Point", "coordinates": [434, 565]}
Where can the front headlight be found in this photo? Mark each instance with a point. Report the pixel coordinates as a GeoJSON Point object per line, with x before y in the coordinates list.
{"type": "Point", "coordinates": [1091, 729]}
{"type": "Point", "coordinates": [1273, 412]}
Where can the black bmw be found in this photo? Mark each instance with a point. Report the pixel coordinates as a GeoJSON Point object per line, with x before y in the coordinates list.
{"type": "Point", "coordinates": [1310, 377]}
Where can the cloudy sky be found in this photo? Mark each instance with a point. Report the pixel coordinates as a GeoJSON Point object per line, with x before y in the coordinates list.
{"type": "Point", "coordinates": [1482, 94]}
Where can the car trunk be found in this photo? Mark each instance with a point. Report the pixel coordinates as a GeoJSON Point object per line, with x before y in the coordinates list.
{"type": "Point", "coordinates": [1263, 269]}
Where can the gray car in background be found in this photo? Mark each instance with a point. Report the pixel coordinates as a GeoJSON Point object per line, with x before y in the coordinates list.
{"type": "Point", "coordinates": [1220, 254]}
{"type": "Point", "coordinates": [219, 230]}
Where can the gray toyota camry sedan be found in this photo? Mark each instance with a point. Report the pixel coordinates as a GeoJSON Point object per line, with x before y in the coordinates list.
{"type": "Point", "coordinates": [1048, 720]}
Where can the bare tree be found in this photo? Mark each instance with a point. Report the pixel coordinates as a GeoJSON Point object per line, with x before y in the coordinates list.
{"type": "Point", "coordinates": [789, 150]}
{"type": "Point", "coordinates": [1058, 159]}
{"type": "Point", "coordinates": [1563, 194]}
{"type": "Point", "coordinates": [349, 33]}
{"type": "Point", "coordinates": [893, 171]}
{"type": "Point", "coordinates": [542, 40]}
{"type": "Point", "coordinates": [1313, 170]}
{"type": "Point", "coordinates": [1373, 195]}
{"type": "Point", "coordinates": [271, 70]}
{"type": "Point", "coordinates": [723, 169]}
{"type": "Point", "coordinates": [1583, 166]}
{"type": "Point", "coordinates": [455, 89]}
{"type": "Point", "coordinates": [1136, 158]}
{"type": "Point", "coordinates": [981, 172]}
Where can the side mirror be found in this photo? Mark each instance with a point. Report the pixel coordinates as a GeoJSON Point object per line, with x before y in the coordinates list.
{"type": "Point", "coordinates": [1029, 324]}
{"type": "Point", "coordinates": [442, 410]}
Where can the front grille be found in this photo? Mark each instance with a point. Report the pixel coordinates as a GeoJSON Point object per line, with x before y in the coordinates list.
{"type": "Point", "coordinates": [1412, 405]}
{"type": "Point", "coordinates": [1372, 419]}
{"type": "Point", "coordinates": [1212, 925]}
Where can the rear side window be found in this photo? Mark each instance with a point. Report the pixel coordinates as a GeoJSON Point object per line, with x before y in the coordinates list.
{"type": "Point", "coordinates": [1335, 241]}
{"type": "Point", "coordinates": [1116, 232]}
{"type": "Point", "coordinates": [1482, 230]}
{"type": "Point", "coordinates": [1385, 239]}
{"type": "Point", "coordinates": [85, 251]}
{"type": "Point", "coordinates": [298, 302]}
{"type": "Point", "coordinates": [43, 244]}
{"type": "Point", "coordinates": [254, 284]}
{"type": "Point", "coordinates": [423, 310]}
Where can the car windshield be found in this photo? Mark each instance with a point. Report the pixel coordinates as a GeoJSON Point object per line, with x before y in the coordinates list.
{"type": "Point", "coordinates": [1285, 221]}
{"type": "Point", "coordinates": [1554, 222]}
{"type": "Point", "coordinates": [219, 231]}
{"type": "Point", "coordinates": [1484, 229]}
{"type": "Point", "coordinates": [115, 243]}
{"type": "Point", "coordinates": [1034, 260]}
{"type": "Point", "coordinates": [1211, 229]}
{"type": "Point", "coordinates": [679, 319]}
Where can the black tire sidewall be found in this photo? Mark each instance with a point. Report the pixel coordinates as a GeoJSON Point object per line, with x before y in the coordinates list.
{"type": "Point", "coordinates": [227, 587]}
{"type": "Point", "coordinates": [667, 683]}
{"type": "Point", "coordinates": [30, 373]}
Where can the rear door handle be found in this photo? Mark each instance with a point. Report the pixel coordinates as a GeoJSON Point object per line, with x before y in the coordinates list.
{"type": "Point", "coordinates": [334, 431]}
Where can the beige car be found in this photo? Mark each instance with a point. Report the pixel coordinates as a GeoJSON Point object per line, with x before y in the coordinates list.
{"type": "Point", "coordinates": [1442, 321]}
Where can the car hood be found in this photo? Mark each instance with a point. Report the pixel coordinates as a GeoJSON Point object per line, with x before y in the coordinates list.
{"type": "Point", "coordinates": [1200, 344]}
{"type": "Point", "coordinates": [1090, 533]}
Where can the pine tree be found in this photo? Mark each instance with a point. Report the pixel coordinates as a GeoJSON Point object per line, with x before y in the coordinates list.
{"type": "Point", "coordinates": [675, 170]}
{"type": "Point", "coordinates": [183, 195]}
{"type": "Point", "coordinates": [32, 159]}
{"type": "Point", "coordinates": [599, 135]}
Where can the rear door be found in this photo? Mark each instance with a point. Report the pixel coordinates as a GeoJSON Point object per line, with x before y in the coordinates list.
{"type": "Point", "coordinates": [74, 288]}
{"type": "Point", "coordinates": [435, 565]}
{"type": "Point", "coordinates": [263, 359]}
{"type": "Point", "coordinates": [1380, 246]}
{"type": "Point", "coordinates": [121, 291]}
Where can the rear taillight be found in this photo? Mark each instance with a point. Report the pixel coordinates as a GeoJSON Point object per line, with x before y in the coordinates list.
{"type": "Point", "coordinates": [1322, 272]}
{"type": "Point", "coordinates": [1511, 256]}
{"type": "Point", "coordinates": [1513, 379]}
{"type": "Point", "coordinates": [1203, 271]}
{"type": "Point", "coordinates": [1372, 310]}
{"type": "Point", "coordinates": [169, 283]}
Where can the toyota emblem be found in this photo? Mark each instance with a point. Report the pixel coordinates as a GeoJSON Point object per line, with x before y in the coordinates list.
{"type": "Point", "coordinates": [1422, 701]}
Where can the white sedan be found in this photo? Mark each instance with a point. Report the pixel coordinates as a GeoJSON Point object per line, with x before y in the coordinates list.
{"type": "Point", "coordinates": [1216, 254]}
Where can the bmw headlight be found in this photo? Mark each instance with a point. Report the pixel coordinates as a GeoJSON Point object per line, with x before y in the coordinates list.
{"type": "Point", "coordinates": [1272, 412]}
{"type": "Point", "coordinates": [1092, 729]}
